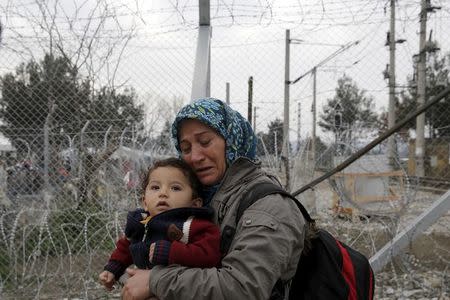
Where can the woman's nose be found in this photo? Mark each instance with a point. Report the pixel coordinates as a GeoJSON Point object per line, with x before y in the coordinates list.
{"type": "Point", "coordinates": [197, 154]}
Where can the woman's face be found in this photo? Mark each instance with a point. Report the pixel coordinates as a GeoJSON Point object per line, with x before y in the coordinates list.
{"type": "Point", "coordinates": [204, 150]}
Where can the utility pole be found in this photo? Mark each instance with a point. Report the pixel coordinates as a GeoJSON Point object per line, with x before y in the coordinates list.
{"type": "Point", "coordinates": [286, 108]}
{"type": "Point", "coordinates": [227, 93]}
{"type": "Point", "coordinates": [275, 144]}
{"type": "Point", "coordinates": [391, 106]}
{"type": "Point", "coordinates": [426, 8]}
{"type": "Point", "coordinates": [254, 119]}
{"type": "Point", "coordinates": [313, 110]}
{"type": "Point", "coordinates": [421, 84]}
{"type": "Point", "coordinates": [1, 33]}
{"type": "Point", "coordinates": [250, 99]}
{"type": "Point", "coordinates": [299, 113]}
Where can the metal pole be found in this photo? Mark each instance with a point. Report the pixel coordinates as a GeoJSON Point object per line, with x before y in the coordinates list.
{"type": "Point", "coordinates": [121, 136]}
{"type": "Point", "coordinates": [133, 135]}
{"type": "Point", "coordinates": [313, 109]}
{"type": "Point", "coordinates": [411, 232]}
{"type": "Point", "coordinates": [391, 106]}
{"type": "Point", "coordinates": [82, 133]}
{"type": "Point", "coordinates": [80, 170]}
{"type": "Point", "coordinates": [227, 93]}
{"type": "Point", "coordinates": [28, 147]}
{"type": "Point", "coordinates": [286, 107]}
{"type": "Point", "coordinates": [275, 144]}
{"type": "Point", "coordinates": [105, 139]}
{"type": "Point", "coordinates": [254, 119]}
{"type": "Point", "coordinates": [72, 154]}
{"type": "Point", "coordinates": [421, 82]}
{"type": "Point", "coordinates": [46, 153]}
{"type": "Point", "coordinates": [250, 99]}
{"type": "Point", "coordinates": [47, 144]}
{"type": "Point", "coordinates": [299, 124]}
{"type": "Point", "coordinates": [201, 79]}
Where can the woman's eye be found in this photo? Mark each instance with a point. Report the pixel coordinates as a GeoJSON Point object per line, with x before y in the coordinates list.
{"type": "Point", "coordinates": [204, 142]}
{"type": "Point", "coordinates": [185, 150]}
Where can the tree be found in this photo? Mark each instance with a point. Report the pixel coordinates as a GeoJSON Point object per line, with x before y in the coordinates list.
{"type": "Point", "coordinates": [37, 91]}
{"type": "Point", "coordinates": [90, 41]}
{"type": "Point", "coordinates": [120, 110]}
{"type": "Point", "coordinates": [437, 78]}
{"type": "Point", "coordinates": [51, 99]}
{"type": "Point", "coordinates": [273, 139]}
{"type": "Point", "coordinates": [349, 110]}
{"type": "Point", "coordinates": [164, 138]}
{"type": "Point", "coordinates": [323, 157]}
{"type": "Point", "coordinates": [88, 34]}
{"type": "Point", "coordinates": [53, 93]}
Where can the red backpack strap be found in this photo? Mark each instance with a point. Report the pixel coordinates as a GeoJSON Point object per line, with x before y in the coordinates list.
{"type": "Point", "coordinates": [348, 272]}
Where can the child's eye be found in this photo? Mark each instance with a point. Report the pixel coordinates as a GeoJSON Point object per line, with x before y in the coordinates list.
{"type": "Point", "coordinates": [154, 187]}
{"type": "Point", "coordinates": [176, 188]}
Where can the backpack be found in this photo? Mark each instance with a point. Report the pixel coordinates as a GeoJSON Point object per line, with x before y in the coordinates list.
{"type": "Point", "coordinates": [330, 270]}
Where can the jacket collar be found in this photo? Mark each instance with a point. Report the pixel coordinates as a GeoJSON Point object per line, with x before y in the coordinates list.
{"type": "Point", "coordinates": [239, 170]}
{"type": "Point", "coordinates": [235, 181]}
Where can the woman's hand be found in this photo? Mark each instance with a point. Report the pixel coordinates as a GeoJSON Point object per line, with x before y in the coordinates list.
{"type": "Point", "coordinates": [137, 286]}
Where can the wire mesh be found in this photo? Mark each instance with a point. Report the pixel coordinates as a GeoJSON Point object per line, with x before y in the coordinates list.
{"type": "Point", "coordinates": [89, 88]}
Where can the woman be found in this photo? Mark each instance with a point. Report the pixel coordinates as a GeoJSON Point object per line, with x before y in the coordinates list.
{"type": "Point", "coordinates": [219, 144]}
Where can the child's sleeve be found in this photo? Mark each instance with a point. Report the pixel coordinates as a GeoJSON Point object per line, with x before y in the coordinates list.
{"type": "Point", "coordinates": [202, 249]}
{"type": "Point", "coordinates": [120, 259]}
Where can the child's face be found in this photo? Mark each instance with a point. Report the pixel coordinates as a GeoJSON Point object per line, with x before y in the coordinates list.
{"type": "Point", "coordinates": [168, 188]}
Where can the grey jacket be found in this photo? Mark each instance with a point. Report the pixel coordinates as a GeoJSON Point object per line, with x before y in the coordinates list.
{"type": "Point", "coordinates": [266, 247]}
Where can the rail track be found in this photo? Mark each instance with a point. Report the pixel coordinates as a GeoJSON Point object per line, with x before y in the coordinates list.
{"type": "Point", "coordinates": [433, 184]}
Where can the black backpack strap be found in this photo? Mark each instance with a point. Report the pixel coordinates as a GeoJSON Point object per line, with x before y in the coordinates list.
{"type": "Point", "coordinates": [261, 190]}
{"type": "Point", "coordinates": [257, 192]}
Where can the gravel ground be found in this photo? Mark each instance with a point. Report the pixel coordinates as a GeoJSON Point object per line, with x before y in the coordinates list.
{"type": "Point", "coordinates": [421, 271]}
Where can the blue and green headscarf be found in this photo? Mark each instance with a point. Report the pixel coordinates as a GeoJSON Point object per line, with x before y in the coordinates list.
{"type": "Point", "coordinates": [240, 139]}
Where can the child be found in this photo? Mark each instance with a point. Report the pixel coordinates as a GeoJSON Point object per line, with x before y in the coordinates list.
{"type": "Point", "coordinates": [174, 228]}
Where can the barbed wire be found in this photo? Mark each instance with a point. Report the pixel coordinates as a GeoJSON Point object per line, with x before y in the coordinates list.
{"type": "Point", "coordinates": [45, 185]}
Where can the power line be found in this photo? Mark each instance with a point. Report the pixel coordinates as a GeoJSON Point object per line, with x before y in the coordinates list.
{"type": "Point", "coordinates": [333, 55]}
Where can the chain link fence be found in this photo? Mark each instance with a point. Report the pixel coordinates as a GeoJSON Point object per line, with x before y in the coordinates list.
{"type": "Point", "coordinates": [88, 91]}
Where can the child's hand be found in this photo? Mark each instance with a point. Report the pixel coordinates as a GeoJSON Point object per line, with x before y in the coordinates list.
{"type": "Point", "coordinates": [107, 279]}
{"type": "Point", "coordinates": [151, 252]}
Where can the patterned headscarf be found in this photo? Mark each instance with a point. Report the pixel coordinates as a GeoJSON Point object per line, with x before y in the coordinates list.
{"type": "Point", "coordinates": [237, 131]}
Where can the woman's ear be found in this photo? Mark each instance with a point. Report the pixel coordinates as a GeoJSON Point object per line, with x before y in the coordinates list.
{"type": "Point", "coordinates": [197, 202]}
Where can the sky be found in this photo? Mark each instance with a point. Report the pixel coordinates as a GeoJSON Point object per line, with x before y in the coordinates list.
{"type": "Point", "coordinates": [150, 46]}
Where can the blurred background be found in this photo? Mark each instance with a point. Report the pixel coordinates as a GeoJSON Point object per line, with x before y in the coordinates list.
{"type": "Point", "coordinates": [88, 91]}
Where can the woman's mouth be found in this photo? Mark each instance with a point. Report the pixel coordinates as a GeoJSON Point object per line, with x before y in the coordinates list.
{"type": "Point", "coordinates": [201, 171]}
